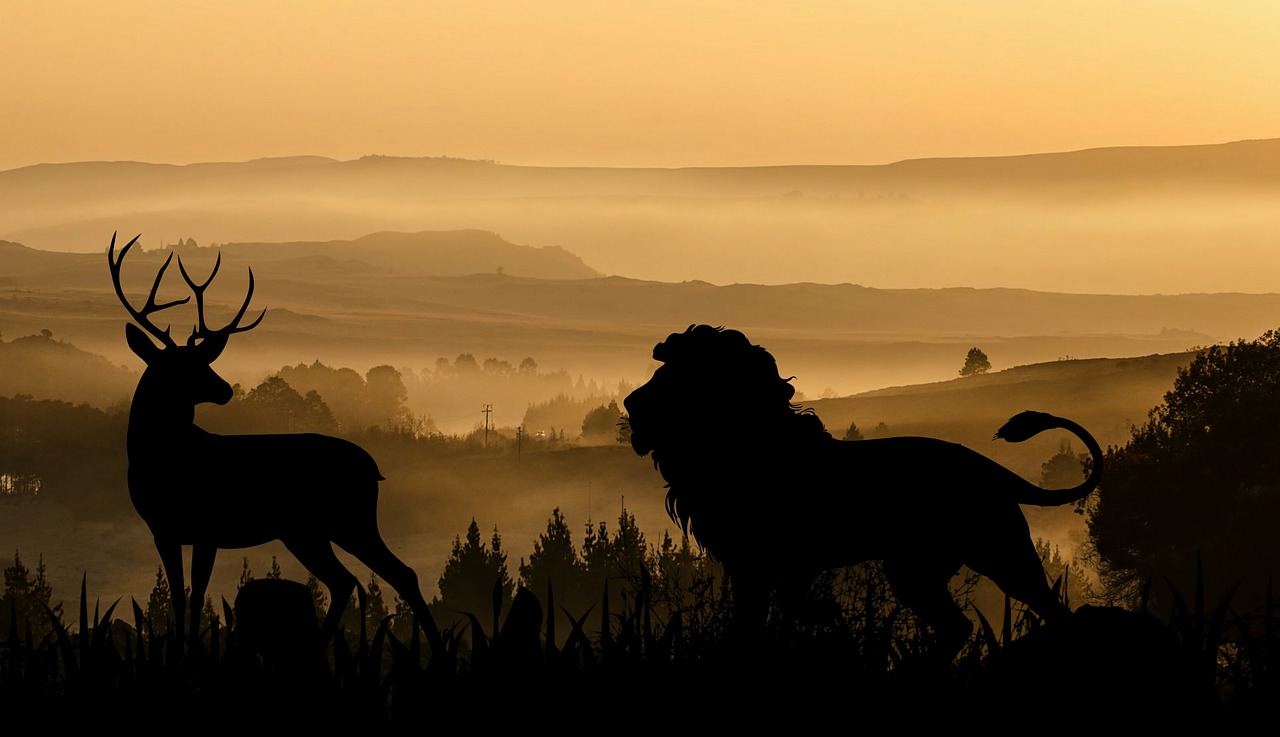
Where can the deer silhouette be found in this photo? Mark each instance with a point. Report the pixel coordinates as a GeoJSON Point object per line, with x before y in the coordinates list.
{"type": "Point", "coordinates": [211, 491]}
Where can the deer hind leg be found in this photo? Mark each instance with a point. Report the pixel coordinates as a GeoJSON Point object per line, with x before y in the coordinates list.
{"type": "Point", "coordinates": [317, 556]}
{"type": "Point", "coordinates": [373, 552]}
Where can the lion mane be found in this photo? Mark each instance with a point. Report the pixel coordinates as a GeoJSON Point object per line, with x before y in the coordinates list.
{"type": "Point", "coordinates": [762, 486]}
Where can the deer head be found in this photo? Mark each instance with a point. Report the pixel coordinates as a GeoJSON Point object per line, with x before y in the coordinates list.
{"type": "Point", "coordinates": [181, 372]}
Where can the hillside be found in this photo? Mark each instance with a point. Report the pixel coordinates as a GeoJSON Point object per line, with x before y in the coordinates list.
{"type": "Point", "coordinates": [453, 253]}
{"type": "Point", "coordinates": [44, 367]}
{"type": "Point", "coordinates": [333, 302]}
{"type": "Point", "coordinates": [1106, 395]}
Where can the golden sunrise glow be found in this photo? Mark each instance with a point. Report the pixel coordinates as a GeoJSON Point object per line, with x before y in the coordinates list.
{"type": "Point", "coordinates": [622, 84]}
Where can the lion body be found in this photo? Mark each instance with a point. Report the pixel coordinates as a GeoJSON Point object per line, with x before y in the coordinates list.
{"type": "Point", "coordinates": [923, 506]}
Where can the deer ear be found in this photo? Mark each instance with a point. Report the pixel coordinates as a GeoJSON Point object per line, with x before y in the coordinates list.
{"type": "Point", "coordinates": [140, 344]}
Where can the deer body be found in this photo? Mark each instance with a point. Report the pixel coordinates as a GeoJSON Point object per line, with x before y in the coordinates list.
{"type": "Point", "coordinates": [255, 499]}
{"type": "Point", "coordinates": [210, 491]}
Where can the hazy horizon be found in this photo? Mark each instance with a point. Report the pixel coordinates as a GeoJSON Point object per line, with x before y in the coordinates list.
{"type": "Point", "coordinates": [720, 84]}
{"type": "Point", "coordinates": [1130, 220]}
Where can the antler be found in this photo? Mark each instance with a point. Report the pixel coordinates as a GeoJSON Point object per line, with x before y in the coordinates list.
{"type": "Point", "coordinates": [140, 316]}
{"type": "Point", "coordinates": [202, 331]}
{"type": "Point", "coordinates": [215, 338]}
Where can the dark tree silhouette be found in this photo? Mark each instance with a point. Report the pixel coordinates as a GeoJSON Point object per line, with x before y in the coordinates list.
{"type": "Point", "coordinates": [975, 362]}
{"type": "Point", "coordinates": [160, 604]}
{"type": "Point", "coordinates": [466, 363]}
{"type": "Point", "coordinates": [601, 424]}
{"type": "Point", "coordinates": [853, 433]}
{"type": "Point", "coordinates": [554, 558]}
{"type": "Point", "coordinates": [555, 562]}
{"type": "Point", "coordinates": [1064, 468]}
{"type": "Point", "coordinates": [386, 398]}
{"type": "Point", "coordinates": [275, 406]}
{"type": "Point", "coordinates": [27, 596]}
{"type": "Point", "coordinates": [342, 389]}
{"type": "Point", "coordinates": [616, 561]}
{"type": "Point", "coordinates": [1200, 479]}
{"type": "Point", "coordinates": [469, 577]}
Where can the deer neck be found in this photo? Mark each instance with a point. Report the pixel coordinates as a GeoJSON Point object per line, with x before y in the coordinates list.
{"type": "Point", "coordinates": [158, 420]}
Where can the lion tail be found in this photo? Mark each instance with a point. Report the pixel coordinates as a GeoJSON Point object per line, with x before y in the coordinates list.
{"type": "Point", "coordinates": [1030, 423]}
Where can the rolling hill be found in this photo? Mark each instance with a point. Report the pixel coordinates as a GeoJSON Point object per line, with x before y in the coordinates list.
{"type": "Point", "coordinates": [352, 304]}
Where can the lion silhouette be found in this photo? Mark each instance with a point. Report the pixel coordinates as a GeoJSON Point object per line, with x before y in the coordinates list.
{"type": "Point", "coordinates": [767, 491]}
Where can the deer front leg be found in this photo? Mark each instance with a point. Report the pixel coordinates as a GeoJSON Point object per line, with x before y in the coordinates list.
{"type": "Point", "coordinates": [201, 569]}
{"type": "Point", "coordinates": [171, 558]}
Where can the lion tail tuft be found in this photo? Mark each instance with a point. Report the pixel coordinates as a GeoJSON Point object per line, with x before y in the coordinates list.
{"type": "Point", "coordinates": [1025, 425]}
{"type": "Point", "coordinates": [1030, 423]}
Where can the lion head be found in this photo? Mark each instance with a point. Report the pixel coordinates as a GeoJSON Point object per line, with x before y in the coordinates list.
{"type": "Point", "coordinates": [716, 403]}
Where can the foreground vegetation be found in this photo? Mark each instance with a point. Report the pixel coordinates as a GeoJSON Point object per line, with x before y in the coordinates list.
{"type": "Point", "coordinates": [618, 629]}
{"type": "Point", "coordinates": [660, 647]}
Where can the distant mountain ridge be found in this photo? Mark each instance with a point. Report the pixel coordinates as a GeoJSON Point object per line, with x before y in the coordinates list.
{"type": "Point", "coordinates": [427, 253]}
{"type": "Point", "coordinates": [1247, 163]}
{"type": "Point", "coordinates": [454, 253]}
{"type": "Point", "coordinates": [1116, 220]}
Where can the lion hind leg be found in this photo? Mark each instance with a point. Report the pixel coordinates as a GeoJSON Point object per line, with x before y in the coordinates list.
{"type": "Point", "coordinates": [1022, 577]}
{"type": "Point", "coordinates": [925, 590]}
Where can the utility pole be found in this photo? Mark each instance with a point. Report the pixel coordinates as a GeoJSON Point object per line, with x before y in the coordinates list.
{"type": "Point", "coordinates": [488, 408]}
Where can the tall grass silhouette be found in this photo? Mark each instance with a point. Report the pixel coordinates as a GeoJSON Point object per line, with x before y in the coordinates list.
{"type": "Point", "coordinates": [847, 645]}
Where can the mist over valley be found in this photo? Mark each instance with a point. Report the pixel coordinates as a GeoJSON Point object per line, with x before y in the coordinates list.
{"type": "Point", "coordinates": [539, 293]}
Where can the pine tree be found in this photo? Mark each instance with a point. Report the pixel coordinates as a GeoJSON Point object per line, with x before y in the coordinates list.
{"type": "Point", "coordinates": [42, 590]}
{"type": "Point", "coordinates": [554, 558]}
{"type": "Point", "coordinates": [627, 549]}
{"type": "Point", "coordinates": [17, 583]}
{"type": "Point", "coordinates": [555, 563]}
{"type": "Point", "coordinates": [470, 576]}
{"type": "Point", "coordinates": [160, 604]}
{"type": "Point", "coordinates": [616, 561]}
{"type": "Point", "coordinates": [28, 597]}
{"type": "Point", "coordinates": [246, 575]}
{"type": "Point", "coordinates": [375, 604]}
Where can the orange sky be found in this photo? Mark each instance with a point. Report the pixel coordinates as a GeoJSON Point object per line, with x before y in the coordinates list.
{"type": "Point", "coordinates": [720, 82]}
